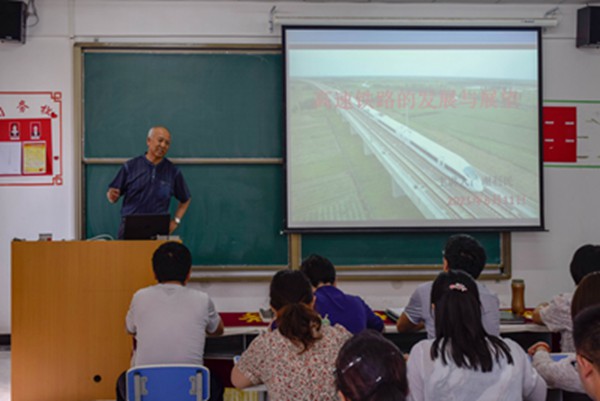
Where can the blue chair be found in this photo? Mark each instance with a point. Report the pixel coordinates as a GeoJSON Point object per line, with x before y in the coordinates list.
{"type": "Point", "coordinates": [168, 383]}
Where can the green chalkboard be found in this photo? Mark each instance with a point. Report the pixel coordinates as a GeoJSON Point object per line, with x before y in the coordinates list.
{"type": "Point", "coordinates": [215, 105]}
{"type": "Point", "coordinates": [234, 218]}
{"type": "Point", "coordinates": [101, 217]}
{"type": "Point", "coordinates": [388, 249]}
{"type": "Point", "coordinates": [218, 105]}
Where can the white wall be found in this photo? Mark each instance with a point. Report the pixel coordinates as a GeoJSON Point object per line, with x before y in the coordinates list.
{"type": "Point", "coordinates": [46, 63]}
{"type": "Point", "coordinates": [43, 64]}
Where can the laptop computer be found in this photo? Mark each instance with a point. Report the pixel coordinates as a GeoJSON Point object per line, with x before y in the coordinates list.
{"type": "Point", "coordinates": [146, 226]}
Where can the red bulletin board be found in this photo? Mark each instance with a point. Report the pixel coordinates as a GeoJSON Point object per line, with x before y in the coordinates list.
{"type": "Point", "coordinates": [560, 134]}
{"type": "Point", "coordinates": [30, 138]}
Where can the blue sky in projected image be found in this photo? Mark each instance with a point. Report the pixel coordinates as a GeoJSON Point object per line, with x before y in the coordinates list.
{"type": "Point", "coordinates": [509, 64]}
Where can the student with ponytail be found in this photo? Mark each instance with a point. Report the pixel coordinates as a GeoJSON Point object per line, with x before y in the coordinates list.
{"type": "Point", "coordinates": [296, 360]}
{"type": "Point", "coordinates": [464, 362]}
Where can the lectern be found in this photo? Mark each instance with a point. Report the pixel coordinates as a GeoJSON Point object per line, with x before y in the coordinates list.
{"type": "Point", "coordinates": [69, 301]}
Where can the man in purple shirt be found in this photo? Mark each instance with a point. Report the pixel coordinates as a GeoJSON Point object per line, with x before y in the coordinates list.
{"type": "Point", "coordinates": [148, 182]}
{"type": "Point", "coordinates": [334, 305]}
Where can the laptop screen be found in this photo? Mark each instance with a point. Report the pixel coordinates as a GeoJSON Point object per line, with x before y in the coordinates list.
{"type": "Point", "coordinates": [146, 226]}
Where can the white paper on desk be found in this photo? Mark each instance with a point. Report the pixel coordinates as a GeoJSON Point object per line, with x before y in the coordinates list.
{"type": "Point", "coordinates": [10, 158]}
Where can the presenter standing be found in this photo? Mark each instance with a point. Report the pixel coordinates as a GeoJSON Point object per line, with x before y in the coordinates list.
{"type": "Point", "coordinates": [148, 182]}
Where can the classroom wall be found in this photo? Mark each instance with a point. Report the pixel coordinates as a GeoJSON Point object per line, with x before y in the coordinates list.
{"type": "Point", "coordinates": [45, 63]}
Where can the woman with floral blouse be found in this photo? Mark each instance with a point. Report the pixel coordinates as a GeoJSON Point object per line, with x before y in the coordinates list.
{"type": "Point", "coordinates": [296, 360]}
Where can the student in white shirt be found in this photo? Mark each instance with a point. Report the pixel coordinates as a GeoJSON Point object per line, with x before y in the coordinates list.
{"type": "Point", "coordinates": [170, 320]}
{"type": "Point", "coordinates": [556, 314]}
{"type": "Point", "coordinates": [464, 362]}
{"type": "Point", "coordinates": [563, 374]}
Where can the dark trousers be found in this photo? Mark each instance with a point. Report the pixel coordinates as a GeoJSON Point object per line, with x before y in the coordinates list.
{"type": "Point", "coordinates": [216, 388]}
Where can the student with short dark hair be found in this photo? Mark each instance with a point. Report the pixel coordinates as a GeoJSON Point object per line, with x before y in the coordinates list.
{"type": "Point", "coordinates": [586, 335]}
{"type": "Point", "coordinates": [296, 360]}
{"type": "Point", "coordinates": [464, 252]}
{"type": "Point", "coordinates": [332, 303]}
{"type": "Point", "coordinates": [172, 261]}
{"type": "Point", "coordinates": [464, 362]}
{"type": "Point", "coordinates": [556, 314]}
{"type": "Point", "coordinates": [169, 320]}
{"type": "Point", "coordinates": [461, 253]}
{"type": "Point", "coordinates": [370, 367]}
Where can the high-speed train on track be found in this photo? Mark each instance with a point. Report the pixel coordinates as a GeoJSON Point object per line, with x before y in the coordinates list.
{"type": "Point", "coordinates": [448, 162]}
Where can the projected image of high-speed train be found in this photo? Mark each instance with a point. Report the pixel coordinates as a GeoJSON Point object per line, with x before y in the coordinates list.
{"type": "Point", "coordinates": [446, 161]}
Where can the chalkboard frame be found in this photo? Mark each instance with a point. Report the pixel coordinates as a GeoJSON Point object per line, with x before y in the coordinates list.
{"type": "Point", "coordinates": [295, 253]}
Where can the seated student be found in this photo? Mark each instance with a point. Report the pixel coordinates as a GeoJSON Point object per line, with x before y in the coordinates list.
{"type": "Point", "coordinates": [556, 315]}
{"type": "Point", "coordinates": [296, 360]}
{"type": "Point", "coordinates": [464, 362]}
{"type": "Point", "coordinates": [563, 374]}
{"type": "Point", "coordinates": [586, 336]}
{"type": "Point", "coordinates": [169, 320]}
{"type": "Point", "coordinates": [370, 367]}
{"type": "Point", "coordinates": [334, 305]}
{"type": "Point", "coordinates": [462, 252]}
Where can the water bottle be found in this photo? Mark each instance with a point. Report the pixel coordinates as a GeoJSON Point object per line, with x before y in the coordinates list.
{"type": "Point", "coordinates": [518, 297]}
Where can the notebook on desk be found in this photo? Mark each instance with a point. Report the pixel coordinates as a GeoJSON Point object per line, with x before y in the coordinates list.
{"type": "Point", "coordinates": [394, 313]}
{"type": "Point", "coordinates": [507, 317]}
{"type": "Point", "coordinates": [557, 356]}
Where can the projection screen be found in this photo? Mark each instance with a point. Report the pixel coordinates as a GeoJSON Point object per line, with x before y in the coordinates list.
{"type": "Point", "coordinates": [412, 128]}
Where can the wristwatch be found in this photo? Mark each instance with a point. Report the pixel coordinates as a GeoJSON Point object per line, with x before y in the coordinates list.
{"type": "Point", "coordinates": [177, 220]}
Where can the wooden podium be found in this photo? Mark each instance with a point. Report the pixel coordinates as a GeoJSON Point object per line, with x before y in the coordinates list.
{"type": "Point", "coordinates": [69, 301]}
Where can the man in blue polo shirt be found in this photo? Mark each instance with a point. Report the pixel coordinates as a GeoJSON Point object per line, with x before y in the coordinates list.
{"type": "Point", "coordinates": [334, 305]}
{"type": "Point", "coordinates": [148, 182]}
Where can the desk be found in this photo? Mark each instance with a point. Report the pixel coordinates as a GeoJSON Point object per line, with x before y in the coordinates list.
{"type": "Point", "coordinates": [242, 327]}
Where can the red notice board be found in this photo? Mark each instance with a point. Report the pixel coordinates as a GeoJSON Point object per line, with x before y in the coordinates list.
{"type": "Point", "coordinates": [560, 134]}
{"type": "Point", "coordinates": [30, 138]}
{"type": "Point", "coordinates": [30, 135]}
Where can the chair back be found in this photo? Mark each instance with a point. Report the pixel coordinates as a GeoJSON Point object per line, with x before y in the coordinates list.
{"type": "Point", "coordinates": [168, 383]}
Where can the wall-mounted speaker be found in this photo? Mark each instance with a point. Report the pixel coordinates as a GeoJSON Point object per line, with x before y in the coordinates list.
{"type": "Point", "coordinates": [588, 27]}
{"type": "Point", "coordinates": [13, 19]}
